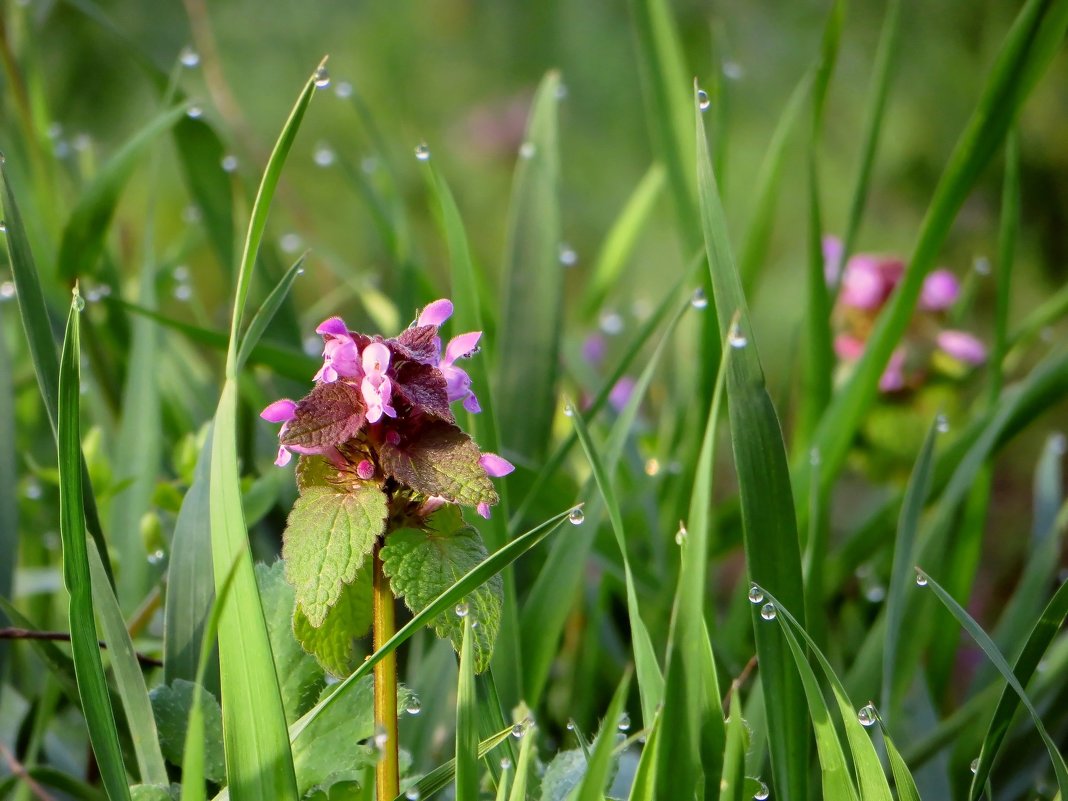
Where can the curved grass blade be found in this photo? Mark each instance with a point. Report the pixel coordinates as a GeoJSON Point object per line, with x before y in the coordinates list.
{"type": "Point", "coordinates": [994, 655]}
{"type": "Point", "coordinates": [904, 558]}
{"type": "Point", "coordinates": [259, 763]}
{"type": "Point", "coordinates": [903, 781]}
{"type": "Point", "coordinates": [92, 687]}
{"type": "Point", "coordinates": [443, 775]}
{"type": "Point", "coordinates": [9, 510]}
{"type": "Point", "coordinates": [466, 722]}
{"type": "Point", "coordinates": [600, 760]}
{"type": "Point", "coordinates": [263, 316]}
{"type": "Point", "coordinates": [619, 242]}
{"type": "Point", "coordinates": [1007, 234]}
{"type": "Point", "coordinates": [732, 787]}
{"type": "Point", "coordinates": [84, 234]}
{"type": "Point", "coordinates": [41, 343]}
{"type": "Point", "coordinates": [1035, 37]}
{"type": "Point", "coordinates": [769, 527]}
{"type": "Point", "coordinates": [522, 771]}
{"type": "Point", "coordinates": [533, 287]}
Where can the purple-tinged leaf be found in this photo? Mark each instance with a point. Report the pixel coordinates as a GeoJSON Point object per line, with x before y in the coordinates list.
{"type": "Point", "coordinates": [440, 459]}
{"type": "Point", "coordinates": [420, 344]}
{"type": "Point", "coordinates": [326, 417]}
{"type": "Point", "coordinates": [423, 387]}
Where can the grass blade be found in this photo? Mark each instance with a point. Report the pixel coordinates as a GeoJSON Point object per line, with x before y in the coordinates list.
{"type": "Point", "coordinates": [981, 638]}
{"type": "Point", "coordinates": [92, 687]}
{"type": "Point", "coordinates": [522, 770]}
{"type": "Point", "coordinates": [466, 722]}
{"type": "Point", "coordinates": [443, 775]}
{"type": "Point", "coordinates": [1035, 37]}
{"type": "Point", "coordinates": [903, 781]}
{"type": "Point", "coordinates": [263, 316]}
{"type": "Point", "coordinates": [768, 523]}
{"type": "Point", "coordinates": [596, 777]}
{"type": "Point", "coordinates": [533, 288]}
{"type": "Point", "coordinates": [9, 510]}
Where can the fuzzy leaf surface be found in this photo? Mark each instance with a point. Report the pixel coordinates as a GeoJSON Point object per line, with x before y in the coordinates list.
{"type": "Point", "coordinates": [440, 459]}
{"type": "Point", "coordinates": [423, 388]}
{"type": "Point", "coordinates": [170, 705]}
{"type": "Point", "coordinates": [327, 537]}
{"type": "Point", "coordinates": [332, 643]}
{"type": "Point", "coordinates": [423, 564]}
{"type": "Point", "coordinates": [328, 415]}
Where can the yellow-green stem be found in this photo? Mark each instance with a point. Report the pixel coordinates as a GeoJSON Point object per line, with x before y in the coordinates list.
{"type": "Point", "coordinates": [387, 778]}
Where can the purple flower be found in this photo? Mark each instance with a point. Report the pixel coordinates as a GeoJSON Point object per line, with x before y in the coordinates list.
{"type": "Point", "coordinates": [962, 346]}
{"type": "Point", "coordinates": [621, 392]}
{"type": "Point", "coordinates": [848, 348]}
{"type": "Point", "coordinates": [340, 355]}
{"type": "Point", "coordinates": [435, 313]}
{"type": "Point", "coordinates": [365, 469]}
{"type": "Point", "coordinates": [863, 286]}
{"type": "Point", "coordinates": [594, 348]}
{"type": "Point", "coordinates": [940, 291]}
{"type": "Point", "coordinates": [457, 381]}
{"type": "Point", "coordinates": [495, 467]}
{"type": "Point", "coordinates": [833, 251]}
{"type": "Point", "coordinates": [281, 411]}
{"type": "Point", "coordinates": [376, 388]}
{"type": "Point", "coordinates": [893, 377]}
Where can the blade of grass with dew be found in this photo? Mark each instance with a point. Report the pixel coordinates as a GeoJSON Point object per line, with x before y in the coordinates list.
{"type": "Point", "coordinates": [1041, 637]}
{"type": "Point", "coordinates": [92, 686]}
{"type": "Point", "coordinates": [443, 775]}
{"type": "Point", "coordinates": [983, 640]}
{"type": "Point", "coordinates": [769, 527]}
{"type": "Point", "coordinates": [265, 313]}
{"type": "Point", "coordinates": [818, 358]}
{"type": "Point", "coordinates": [834, 772]}
{"type": "Point", "coordinates": [593, 783]}
{"type": "Point", "coordinates": [1027, 50]}
{"type": "Point", "coordinates": [732, 786]}
{"type": "Point", "coordinates": [903, 781]}
{"type": "Point", "coordinates": [9, 510]}
{"type": "Point", "coordinates": [129, 681]}
{"type": "Point", "coordinates": [466, 722]}
{"type": "Point", "coordinates": [650, 680]}
{"type": "Point", "coordinates": [693, 736]}
{"type": "Point", "coordinates": [527, 752]}
{"type": "Point", "coordinates": [886, 53]}
{"type": "Point", "coordinates": [259, 763]}
{"type": "Point", "coordinates": [533, 288]}
{"type": "Point", "coordinates": [86, 230]}
{"type": "Point", "coordinates": [768, 183]}
{"type": "Point", "coordinates": [901, 574]}
{"type": "Point", "coordinates": [544, 614]}
{"type": "Point", "coordinates": [42, 345]}
{"type": "Point", "coordinates": [619, 243]}
{"type": "Point", "coordinates": [869, 770]}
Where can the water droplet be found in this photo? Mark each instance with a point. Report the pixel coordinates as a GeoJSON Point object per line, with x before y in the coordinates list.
{"type": "Point", "coordinates": [611, 323]}
{"type": "Point", "coordinates": [875, 593]}
{"type": "Point", "coordinates": [569, 410]}
{"type": "Point", "coordinates": [461, 609]}
{"type": "Point", "coordinates": [3, 159]}
{"type": "Point", "coordinates": [699, 299]}
{"type": "Point", "coordinates": [735, 336]}
{"type": "Point", "coordinates": [343, 89]}
{"type": "Point", "coordinates": [767, 611]}
{"type": "Point", "coordinates": [422, 152]}
{"type": "Point", "coordinates": [55, 130]}
{"type": "Point", "coordinates": [518, 730]}
{"type": "Point", "coordinates": [180, 273]}
{"type": "Point", "coordinates": [156, 557]}
{"type": "Point", "coordinates": [942, 424]}
{"type": "Point", "coordinates": [191, 214]}
{"type": "Point", "coordinates": [1058, 444]}
{"type": "Point", "coordinates": [381, 739]}
{"type": "Point", "coordinates": [527, 150]}
{"type": "Point", "coordinates": [412, 794]}
{"type": "Point", "coordinates": [300, 271]}
{"type": "Point", "coordinates": [866, 715]}
{"type": "Point", "coordinates": [7, 290]}
{"type": "Point", "coordinates": [506, 763]}
{"type": "Point", "coordinates": [974, 767]}
{"type": "Point", "coordinates": [414, 706]}
{"type": "Point", "coordinates": [624, 722]}
{"type": "Point", "coordinates": [577, 517]}
{"type": "Point", "coordinates": [322, 78]}
{"type": "Point", "coordinates": [763, 793]}
{"type": "Point", "coordinates": [81, 142]}
{"type": "Point", "coordinates": [681, 534]}
{"type": "Point", "coordinates": [733, 70]}
{"type": "Point", "coordinates": [652, 467]}
{"type": "Point", "coordinates": [33, 489]}
{"type": "Point", "coordinates": [3, 226]}
{"type": "Point", "coordinates": [183, 292]}
{"type": "Point", "coordinates": [702, 100]}
{"type": "Point", "coordinates": [568, 257]}
{"type": "Point", "coordinates": [571, 725]}
{"type": "Point", "coordinates": [290, 242]}
{"type": "Point", "coordinates": [756, 595]}
{"type": "Point", "coordinates": [189, 57]}
{"type": "Point", "coordinates": [561, 91]}
{"type": "Point", "coordinates": [194, 112]}
{"type": "Point", "coordinates": [921, 579]}
{"type": "Point", "coordinates": [982, 265]}
{"type": "Point", "coordinates": [814, 457]}
{"type": "Point", "coordinates": [324, 156]}
{"type": "Point", "coordinates": [79, 301]}
{"type": "Point", "coordinates": [474, 622]}
{"type": "Point", "coordinates": [229, 162]}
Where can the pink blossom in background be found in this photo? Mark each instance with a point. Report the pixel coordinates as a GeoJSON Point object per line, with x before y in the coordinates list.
{"type": "Point", "coordinates": [893, 377]}
{"type": "Point", "coordinates": [962, 346]}
{"type": "Point", "coordinates": [940, 291]}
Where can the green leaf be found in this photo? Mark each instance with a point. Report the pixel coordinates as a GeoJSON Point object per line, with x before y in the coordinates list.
{"type": "Point", "coordinates": [423, 564]}
{"type": "Point", "coordinates": [328, 536]}
{"type": "Point", "coordinates": [300, 679]}
{"type": "Point", "coordinates": [441, 460]}
{"type": "Point", "coordinates": [265, 314]}
{"type": "Point", "coordinates": [333, 643]}
{"type": "Point", "coordinates": [903, 781]}
{"type": "Point", "coordinates": [595, 781]}
{"type": "Point", "coordinates": [563, 774]}
{"type": "Point", "coordinates": [171, 704]}
{"type": "Point", "coordinates": [88, 668]}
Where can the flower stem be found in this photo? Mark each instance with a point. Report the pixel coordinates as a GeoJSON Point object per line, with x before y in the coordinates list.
{"type": "Point", "coordinates": [387, 777]}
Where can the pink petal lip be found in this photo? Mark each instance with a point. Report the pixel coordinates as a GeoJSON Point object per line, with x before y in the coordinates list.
{"type": "Point", "coordinates": [334, 327]}
{"type": "Point", "coordinates": [832, 258]}
{"type": "Point", "coordinates": [436, 313]}
{"type": "Point", "coordinates": [461, 345]}
{"type": "Point", "coordinates": [495, 466]}
{"type": "Point", "coordinates": [280, 411]}
{"type": "Point", "coordinates": [940, 291]}
{"type": "Point", "coordinates": [863, 286]}
{"type": "Point", "coordinates": [963, 346]}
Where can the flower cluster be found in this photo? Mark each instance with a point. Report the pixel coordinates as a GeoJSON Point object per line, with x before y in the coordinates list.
{"type": "Point", "coordinates": [867, 282]}
{"type": "Point", "coordinates": [380, 411]}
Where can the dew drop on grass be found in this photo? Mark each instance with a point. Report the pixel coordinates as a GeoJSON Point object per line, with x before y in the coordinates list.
{"type": "Point", "coordinates": [814, 457]}
{"type": "Point", "coordinates": [414, 706]}
{"type": "Point", "coordinates": [875, 593]}
{"type": "Point", "coordinates": [183, 292]}
{"type": "Point", "coordinates": [33, 489]}
{"type": "Point", "coordinates": [699, 299]}
{"type": "Point", "coordinates": [189, 57]}
{"type": "Point", "coordinates": [506, 763]}
{"type": "Point", "coordinates": [322, 78]}
{"type": "Point", "coordinates": [290, 243]}
{"type": "Point", "coordinates": [324, 156]}
{"type": "Point", "coordinates": [571, 725]}
{"type": "Point", "coordinates": [422, 152]}
{"type": "Point", "coordinates": [767, 611]}
{"type": "Point", "coordinates": [412, 794]}
{"type": "Point", "coordinates": [79, 301]}
{"type": "Point", "coordinates": [982, 265]}
{"type": "Point", "coordinates": [462, 609]}
{"type": "Point", "coordinates": [762, 793]}
{"type": "Point", "coordinates": [568, 257]}
{"type": "Point", "coordinates": [569, 410]}
{"type": "Point", "coordinates": [577, 517]}
{"type": "Point", "coordinates": [702, 100]}
{"type": "Point", "coordinates": [756, 595]}
{"type": "Point", "coordinates": [680, 535]}
{"type": "Point", "coordinates": [195, 112]}
{"type": "Point", "coordinates": [229, 162]}
{"type": "Point", "coordinates": [1058, 444]}
{"type": "Point", "coordinates": [527, 150]}
{"type": "Point", "coordinates": [974, 767]}
{"type": "Point", "coordinates": [156, 557]}
{"type": "Point", "coordinates": [7, 290]}
{"type": "Point", "coordinates": [942, 424]}
{"type": "Point", "coordinates": [735, 336]}
{"type": "Point", "coordinates": [921, 580]}
{"type": "Point", "coordinates": [343, 89]}
{"type": "Point", "coordinates": [3, 227]}
{"type": "Point", "coordinates": [866, 715]}
{"type": "Point", "coordinates": [561, 91]}
{"type": "Point", "coordinates": [611, 323]}
{"type": "Point", "coordinates": [624, 722]}
{"type": "Point", "coordinates": [518, 730]}
{"type": "Point", "coordinates": [733, 70]}
{"type": "Point", "coordinates": [381, 739]}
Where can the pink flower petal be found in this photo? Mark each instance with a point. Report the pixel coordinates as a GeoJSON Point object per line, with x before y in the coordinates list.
{"type": "Point", "coordinates": [940, 291]}
{"type": "Point", "coordinates": [365, 469]}
{"type": "Point", "coordinates": [848, 348]}
{"type": "Point", "coordinates": [863, 286]}
{"type": "Point", "coordinates": [621, 392]}
{"type": "Point", "coordinates": [495, 466]}
{"type": "Point", "coordinates": [471, 403]}
{"type": "Point", "coordinates": [375, 360]}
{"type": "Point", "coordinates": [484, 510]}
{"type": "Point", "coordinates": [460, 346]}
{"type": "Point", "coordinates": [435, 313]}
{"type": "Point", "coordinates": [962, 346]}
{"type": "Point", "coordinates": [832, 258]}
{"type": "Point", "coordinates": [280, 411]}
{"type": "Point", "coordinates": [893, 377]}
{"type": "Point", "coordinates": [283, 456]}
{"type": "Point", "coordinates": [334, 327]}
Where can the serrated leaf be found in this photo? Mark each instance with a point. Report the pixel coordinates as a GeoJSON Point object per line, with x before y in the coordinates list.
{"type": "Point", "coordinates": [171, 705]}
{"type": "Point", "coordinates": [440, 459]}
{"type": "Point", "coordinates": [423, 564]}
{"type": "Point", "coordinates": [563, 775]}
{"type": "Point", "coordinates": [154, 792]}
{"type": "Point", "coordinates": [314, 471]}
{"type": "Point", "coordinates": [327, 537]}
{"type": "Point", "coordinates": [332, 643]}
{"type": "Point", "coordinates": [300, 679]}
{"type": "Point", "coordinates": [328, 415]}
{"type": "Point", "coordinates": [423, 387]}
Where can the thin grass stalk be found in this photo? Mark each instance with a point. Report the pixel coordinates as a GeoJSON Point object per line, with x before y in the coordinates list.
{"type": "Point", "coordinates": [387, 771]}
